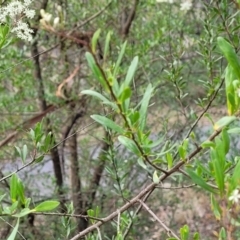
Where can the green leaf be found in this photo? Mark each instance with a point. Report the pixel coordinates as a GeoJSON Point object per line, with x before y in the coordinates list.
{"type": "Point", "coordinates": [21, 192]}
{"type": "Point", "coordinates": [39, 159]}
{"type": "Point", "coordinates": [129, 144]}
{"type": "Point", "coordinates": [219, 167]}
{"type": "Point", "coordinates": [215, 207]}
{"type": "Point", "coordinates": [208, 144]}
{"type": "Point", "coordinates": [99, 96]}
{"type": "Point", "coordinates": [182, 152]}
{"type": "Point", "coordinates": [144, 106]}
{"type": "Point", "coordinates": [231, 92]}
{"type": "Point", "coordinates": [234, 130]}
{"type": "Point", "coordinates": [184, 232]}
{"type": "Point", "coordinates": [230, 54]}
{"type": "Point", "coordinates": [94, 40]}
{"type": "Point", "coordinates": [116, 69]}
{"type": "Point", "coordinates": [236, 176]}
{"type": "Point", "coordinates": [2, 196]}
{"type": "Point", "coordinates": [196, 236]}
{"type": "Point", "coordinates": [46, 206]}
{"type": "Point", "coordinates": [126, 94]}
{"type": "Point", "coordinates": [96, 71]}
{"type": "Point", "coordinates": [226, 140]}
{"type": "Point", "coordinates": [141, 163]}
{"type": "Point", "coordinates": [14, 187]}
{"type": "Point", "coordinates": [223, 234]}
{"type": "Point", "coordinates": [91, 213]}
{"type": "Point", "coordinates": [19, 151]}
{"type": "Point", "coordinates": [155, 177]}
{"type": "Point", "coordinates": [106, 122]}
{"type": "Point", "coordinates": [131, 71]}
{"type": "Point", "coordinates": [154, 143]}
{"type": "Point", "coordinates": [224, 122]}
{"type": "Point", "coordinates": [14, 232]}
{"type": "Point", "coordinates": [106, 48]}
{"type": "Point", "coordinates": [23, 213]}
{"type": "Point", "coordinates": [24, 153]}
{"type": "Point", "coordinates": [169, 160]}
{"type": "Point", "coordinates": [199, 181]}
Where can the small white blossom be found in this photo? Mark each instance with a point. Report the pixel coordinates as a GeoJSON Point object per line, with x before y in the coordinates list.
{"type": "Point", "coordinates": [56, 22]}
{"type": "Point", "coordinates": [16, 11]}
{"type": "Point", "coordinates": [59, 8]}
{"type": "Point", "coordinates": [186, 5]}
{"type": "Point", "coordinates": [30, 13]}
{"type": "Point", "coordinates": [235, 196]}
{"type": "Point", "coordinates": [46, 16]}
{"type": "Point", "coordinates": [166, 1]}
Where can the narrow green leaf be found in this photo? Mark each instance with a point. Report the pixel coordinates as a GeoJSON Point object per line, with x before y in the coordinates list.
{"type": "Point", "coordinates": [182, 152]}
{"type": "Point", "coordinates": [106, 48]}
{"type": "Point", "coordinates": [234, 130]}
{"type": "Point", "coordinates": [99, 96]}
{"type": "Point", "coordinates": [14, 187]}
{"type": "Point", "coordinates": [215, 207]}
{"type": "Point", "coordinates": [230, 54]}
{"type": "Point", "coordinates": [236, 176]}
{"type": "Point", "coordinates": [90, 213]}
{"type": "Point", "coordinates": [184, 232]}
{"type": "Point", "coordinates": [208, 144]}
{"type": "Point", "coordinates": [116, 68]}
{"type": "Point", "coordinates": [169, 160]}
{"type": "Point", "coordinates": [199, 181]}
{"type": "Point", "coordinates": [154, 143]}
{"type": "Point", "coordinates": [2, 196]}
{"type": "Point", "coordinates": [95, 40]}
{"type": "Point", "coordinates": [126, 94]}
{"type": "Point", "coordinates": [223, 234]}
{"type": "Point", "coordinates": [24, 153]}
{"type": "Point", "coordinates": [106, 122]}
{"type": "Point", "coordinates": [131, 71]}
{"type": "Point", "coordinates": [19, 151]}
{"type": "Point", "coordinates": [39, 159]}
{"type": "Point", "coordinates": [96, 71]}
{"type": "Point", "coordinates": [141, 163]}
{"type": "Point", "coordinates": [23, 213]}
{"type": "Point", "coordinates": [224, 122]}
{"type": "Point", "coordinates": [144, 106]}
{"type": "Point", "coordinates": [226, 140]}
{"type": "Point", "coordinates": [196, 236]}
{"type": "Point", "coordinates": [14, 232]}
{"type": "Point", "coordinates": [155, 177]}
{"type": "Point", "coordinates": [231, 94]}
{"type": "Point", "coordinates": [21, 192]}
{"type": "Point", "coordinates": [46, 206]}
{"type": "Point", "coordinates": [129, 144]}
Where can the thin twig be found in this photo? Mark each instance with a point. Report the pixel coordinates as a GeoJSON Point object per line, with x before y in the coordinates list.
{"type": "Point", "coordinates": [12, 227]}
{"type": "Point", "coordinates": [205, 110]}
{"type": "Point", "coordinates": [145, 192]}
{"type": "Point", "coordinates": [169, 231]}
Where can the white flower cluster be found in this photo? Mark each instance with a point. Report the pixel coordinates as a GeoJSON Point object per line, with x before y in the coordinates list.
{"type": "Point", "coordinates": [47, 17]}
{"type": "Point", "coordinates": [16, 11]}
{"type": "Point", "coordinates": [235, 196]}
{"type": "Point", "coordinates": [185, 5]}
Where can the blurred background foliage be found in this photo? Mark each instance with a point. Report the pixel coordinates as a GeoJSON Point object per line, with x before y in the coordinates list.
{"type": "Point", "coordinates": [177, 54]}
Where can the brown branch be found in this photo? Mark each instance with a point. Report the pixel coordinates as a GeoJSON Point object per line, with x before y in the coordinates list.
{"type": "Point", "coordinates": [115, 213]}
{"type": "Point", "coordinates": [68, 215]}
{"type": "Point", "coordinates": [169, 231]}
{"type": "Point", "coordinates": [127, 25]}
{"type": "Point", "coordinates": [145, 192]}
